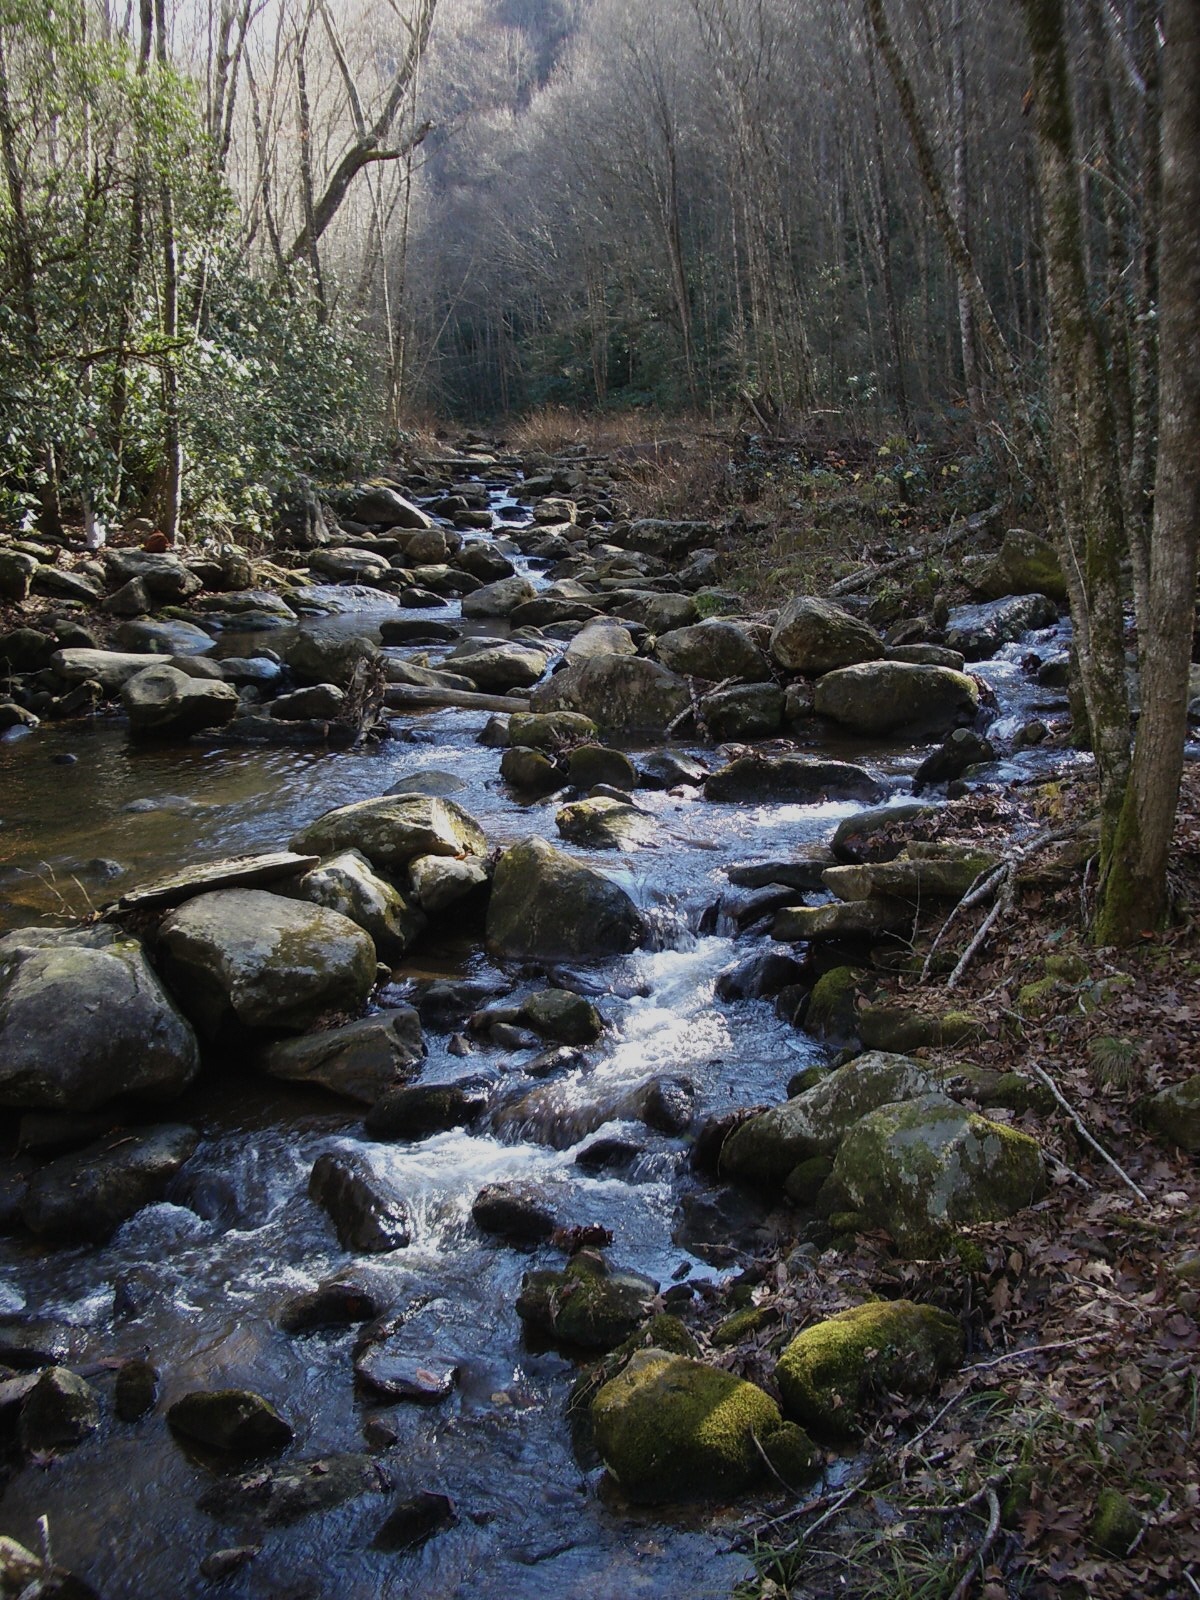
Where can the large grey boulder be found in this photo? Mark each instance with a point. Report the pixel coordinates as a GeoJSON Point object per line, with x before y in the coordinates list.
{"type": "Point", "coordinates": [814, 636]}
{"type": "Point", "coordinates": [394, 830]}
{"type": "Point", "coordinates": [243, 958]}
{"type": "Point", "coordinates": [16, 574]}
{"type": "Point", "coordinates": [1026, 563]}
{"type": "Point", "coordinates": [714, 649]}
{"type": "Point", "coordinates": [660, 612]}
{"type": "Point", "coordinates": [510, 665]}
{"type": "Point", "coordinates": [605, 636]}
{"type": "Point", "coordinates": [87, 1194]}
{"type": "Point", "coordinates": [80, 1026]}
{"type": "Point", "coordinates": [667, 541]}
{"type": "Point", "coordinates": [164, 576]}
{"type": "Point", "coordinates": [766, 1147]}
{"type": "Point", "coordinates": [346, 564]}
{"type": "Point", "coordinates": [167, 637]}
{"type": "Point", "coordinates": [621, 694]}
{"type": "Point", "coordinates": [330, 658]}
{"type": "Point", "coordinates": [882, 698]}
{"type": "Point", "coordinates": [801, 780]}
{"type": "Point", "coordinates": [347, 883]}
{"type": "Point", "coordinates": [111, 669]}
{"type": "Point", "coordinates": [545, 906]}
{"type": "Point", "coordinates": [381, 505]}
{"type": "Point", "coordinates": [922, 1167]}
{"type": "Point", "coordinates": [498, 599]}
{"type": "Point", "coordinates": [360, 1060]}
{"type": "Point", "coordinates": [164, 703]}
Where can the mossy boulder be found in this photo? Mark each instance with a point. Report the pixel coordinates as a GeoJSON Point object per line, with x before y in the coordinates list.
{"type": "Point", "coordinates": [1174, 1114]}
{"type": "Point", "coordinates": [743, 1325]}
{"type": "Point", "coordinates": [883, 698]}
{"type": "Point", "coordinates": [853, 919]}
{"type": "Point", "coordinates": [550, 731]}
{"type": "Point", "coordinates": [545, 906]}
{"type": "Point", "coordinates": [591, 764]}
{"type": "Point", "coordinates": [346, 883]}
{"type": "Point", "coordinates": [1116, 1522]}
{"type": "Point", "coordinates": [922, 1167]}
{"type": "Point", "coordinates": [714, 649]}
{"type": "Point", "coordinates": [829, 1372]}
{"type": "Point", "coordinates": [765, 1149]}
{"type": "Point", "coordinates": [603, 824]}
{"type": "Point", "coordinates": [670, 1428]}
{"type": "Point", "coordinates": [903, 1029]}
{"type": "Point", "coordinates": [833, 1005]}
{"type": "Point", "coordinates": [562, 1015]}
{"type": "Point", "coordinates": [589, 1305]}
{"type": "Point", "coordinates": [911, 876]}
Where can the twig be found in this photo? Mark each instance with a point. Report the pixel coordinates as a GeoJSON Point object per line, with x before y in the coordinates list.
{"type": "Point", "coordinates": [770, 1466]}
{"type": "Point", "coordinates": [953, 536]}
{"type": "Point", "coordinates": [985, 1544]}
{"type": "Point", "coordinates": [983, 885]}
{"type": "Point", "coordinates": [1004, 903]}
{"type": "Point", "coordinates": [1044, 1077]}
{"type": "Point", "coordinates": [1036, 1350]}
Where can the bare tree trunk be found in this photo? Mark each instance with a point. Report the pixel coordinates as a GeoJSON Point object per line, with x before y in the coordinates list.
{"type": "Point", "coordinates": [1135, 890]}
{"type": "Point", "coordinates": [884, 241]}
{"type": "Point", "coordinates": [172, 496]}
{"type": "Point", "coordinates": [135, 252]}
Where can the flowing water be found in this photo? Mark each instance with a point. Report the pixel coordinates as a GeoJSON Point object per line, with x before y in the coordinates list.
{"type": "Point", "coordinates": [197, 1281]}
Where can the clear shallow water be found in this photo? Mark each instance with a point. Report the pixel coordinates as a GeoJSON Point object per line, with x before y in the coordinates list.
{"type": "Point", "coordinates": [198, 1281]}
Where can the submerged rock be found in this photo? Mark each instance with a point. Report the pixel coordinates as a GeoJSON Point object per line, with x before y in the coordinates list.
{"type": "Point", "coordinates": [367, 1214]}
{"type": "Point", "coordinates": [545, 906]}
{"type": "Point", "coordinates": [672, 1428]}
{"type": "Point", "coordinates": [415, 1520]}
{"type": "Point", "coordinates": [89, 1193]}
{"type": "Point", "coordinates": [421, 1109]}
{"type": "Point", "coordinates": [516, 1212]}
{"type": "Point", "coordinates": [248, 959]}
{"type": "Point", "coordinates": [830, 1371]}
{"type": "Point", "coordinates": [278, 1496]}
{"type": "Point", "coordinates": [237, 1421]}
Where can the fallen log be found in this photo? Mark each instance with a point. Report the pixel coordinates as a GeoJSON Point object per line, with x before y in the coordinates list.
{"type": "Point", "coordinates": [955, 534]}
{"type": "Point", "coordinates": [418, 697]}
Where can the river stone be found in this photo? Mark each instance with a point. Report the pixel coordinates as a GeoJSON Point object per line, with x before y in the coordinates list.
{"type": "Point", "coordinates": [764, 1149]}
{"type": "Point", "coordinates": [621, 694]}
{"type": "Point", "coordinates": [330, 658]}
{"type": "Point", "coordinates": [414, 1520]}
{"type": "Point", "coordinates": [231, 872]}
{"type": "Point", "coordinates": [854, 838]}
{"type": "Point", "coordinates": [513, 1211]}
{"type": "Point", "coordinates": [714, 649]}
{"type": "Point", "coordinates": [829, 1373]}
{"type": "Point", "coordinates": [347, 884]}
{"type": "Point", "coordinates": [592, 764]}
{"type": "Point", "coordinates": [417, 1110]}
{"type": "Point", "coordinates": [246, 958]}
{"type": "Point", "coordinates": [657, 612]}
{"type": "Point", "coordinates": [136, 1390]}
{"type": "Point", "coordinates": [604, 824]}
{"type": "Point", "coordinates": [394, 829]}
{"type": "Point", "coordinates": [164, 703]}
{"type": "Point", "coordinates": [668, 769]}
{"type": "Point", "coordinates": [1174, 1113]}
{"type": "Point", "coordinates": [87, 1194]}
{"type": "Point", "coordinates": [276, 1497]}
{"type": "Point", "coordinates": [237, 1421]}
{"type": "Point", "coordinates": [926, 878]}
{"type": "Point", "coordinates": [745, 711]}
{"type": "Point", "coordinates": [758, 976]}
{"type": "Point", "coordinates": [550, 731]}
{"type": "Point", "coordinates": [816, 636]}
{"type": "Point", "coordinates": [320, 702]}
{"type": "Point", "coordinates": [367, 1214]}
{"type": "Point", "coordinates": [111, 669]}
{"type": "Point", "coordinates": [799, 779]}
{"type": "Point", "coordinates": [483, 561]}
{"type": "Point", "coordinates": [350, 565]}
{"type": "Point", "coordinates": [388, 1371]}
{"type": "Point", "coordinates": [545, 906]}
{"type": "Point", "coordinates": [588, 1304]}
{"type": "Point", "coordinates": [1026, 563]}
{"type": "Point", "coordinates": [980, 631]}
{"type": "Point", "coordinates": [163, 575]}
{"type": "Point", "coordinates": [80, 1026]}
{"type": "Point", "coordinates": [335, 1303]}
{"type": "Point", "coordinates": [498, 599]}
{"type": "Point", "coordinates": [562, 1015]}
{"type": "Point", "coordinates": [360, 1060]}
{"type": "Point", "coordinates": [169, 637]}
{"type": "Point", "coordinates": [60, 1411]}
{"type": "Point", "coordinates": [959, 750]}
{"type": "Point", "coordinates": [531, 773]}
{"type": "Point", "coordinates": [889, 697]}
{"type": "Point", "coordinates": [27, 650]}
{"type": "Point", "coordinates": [504, 666]}
{"type": "Point", "coordinates": [601, 637]}
{"type": "Point", "coordinates": [671, 1428]}
{"type": "Point", "coordinates": [922, 1167]}
{"type": "Point", "coordinates": [438, 882]}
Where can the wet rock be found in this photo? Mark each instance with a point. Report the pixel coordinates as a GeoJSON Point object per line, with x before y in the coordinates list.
{"type": "Point", "coordinates": [276, 1497]}
{"type": "Point", "coordinates": [671, 1428]}
{"type": "Point", "coordinates": [609, 1154]}
{"type": "Point", "coordinates": [163, 703]}
{"type": "Point", "coordinates": [498, 599]}
{"type": "Point", "coordinates": [232, 872]}
{"type": "Point", "coordinates": [926, 872]}
{"type": "Point", "coordinates": [747, 711]}
{"type": "Point", "coordinates": [855, 838]}
{"type": "Point", "coordinates": [863, 919]}
{"type": "Point", "coordinates": [136, 1389]}
{"type": "Point", "coordinates": [320, 701]}
{"type": "Point", "coordinates": [959, 750]}
{"type": "Point", "coordinates": [243, 958]}
{"type": "Point", "coordinates": [59, 1412]}
{"type": "Point", "coordinates": [979, 631]}
{"type": "Point", "coordinates": [164, 638]}
{"type": "Point", "coordinates": [222, 1564]}
{"type": "Point", "coordinates": [764, 1149]}
{"type": "Point", "coordinates": [330, 658]}
{"type": "Point", "coordinates": [390, 1372]}
{"type": "Point", "coordinates": [428, 781]}
{"type": "Point", "coordinates": [50, 1133]}
{"type": "Point", "coordinates": [886, 698]}
{"type": "Point", "coordinates": [422, 1109]}
{"type": "Point", "coordinates": [758, 976]}
{"type": "Point", "coordinates": [530, 772]}
{"type": "Point", "coordinates": [545, 906]}
{"type": "Point", "coordinates": [360, 1060]}
{"type": "Point", "coordinates": [550, 731]}
{"type": "Point", "coordinates": [367, 1214]}
{"type": "Point", "coordinates": [79, 1026]}
{"type": "Point", "coordinates": [621, 694]}
{"type": "Point", "coordinates": [336, 1303]}
{"type": "Point", "coordinates": [1173, 1113]}
{"type": "Point", "coordinates": [439, 882]}
{"type": "Point", "coordinates": [801, 871]}
{"type": "Point", "coordinates": [346, 883]}
{"type": "Point", "coordinates": [592, 764]}
{"type": "Point", "coordinates": [829, 1373]}
{"type": "Point", "coordinates": [504, 666]}
{"type": "Point", "coordinates": [799, 779]}
{"type": "Point", "coordinates": [414, 1521]}
{"type": "Point", "coordinates": [28, 1343]}
{"type": "Point", "coordinates": [665, 769]}
{"type": "Point", "coordinates": [447, 1003]}
{"type": "Point", "coordinates": [394, 829]}
{"type": "Point", "coordinates": [604, 824]}
{"type": "Point", "coordinates": [15, 716]}
{"type": "Point", "coordinates": [666, 1104]}
{"type": "Point", "coordinates": [515, 1212]}
{"type": "Point", "coordinates": [745, 908]}
{"type": "Point", "coordinates": [922, 1167]}
{"type": "Point", "coordinates": [714, 649]}
{"type": "Point", "coordinates": [815, 636]}
{"type": "Point", "coordinates": [588, 1304]}
{"type": "Point", "coordinates": [562, 1015]}
{"type": "Point", "coordinates": [88, 1194]}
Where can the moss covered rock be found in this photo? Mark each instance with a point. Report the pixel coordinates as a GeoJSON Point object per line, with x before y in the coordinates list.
{"type": "Point", "coordinates": [833, 1005]}
{"type": "Point", "coordinates": [891, 697]}
{"type": "Point", "coordinates": [767, 1148]}
{"type": "Point", "coordinates": [922, 1167]}
{"type": "Point", "coordinates": [900, 1028]}
{"type": "Point", "coordinates": [829, 1372]}
{"type": "Point", "coordinates": [551, 730]}
{"type": "Point", "coordinates": [589, 1304]}
{"type": "Point", "coordinates": [1174, 1113]}
{"type": "Point", "coordinates": [670, 1428]}
{"type": "Point", "coordinates": [545, 906]}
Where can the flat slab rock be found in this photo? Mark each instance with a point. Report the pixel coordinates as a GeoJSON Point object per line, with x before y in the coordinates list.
{"type": "Point", "coordinates": [231, 872]}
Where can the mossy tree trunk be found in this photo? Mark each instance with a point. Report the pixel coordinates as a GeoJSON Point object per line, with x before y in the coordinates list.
{"type": "Point", "coordinates": [1135, 890]}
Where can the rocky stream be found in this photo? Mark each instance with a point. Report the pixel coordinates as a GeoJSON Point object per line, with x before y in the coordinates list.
{"type": "Point", "coordinates": [405, 938]}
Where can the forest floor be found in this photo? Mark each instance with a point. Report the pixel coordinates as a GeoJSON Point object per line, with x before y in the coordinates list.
{"type": "Point", "coordinates": [1064, 1459]}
